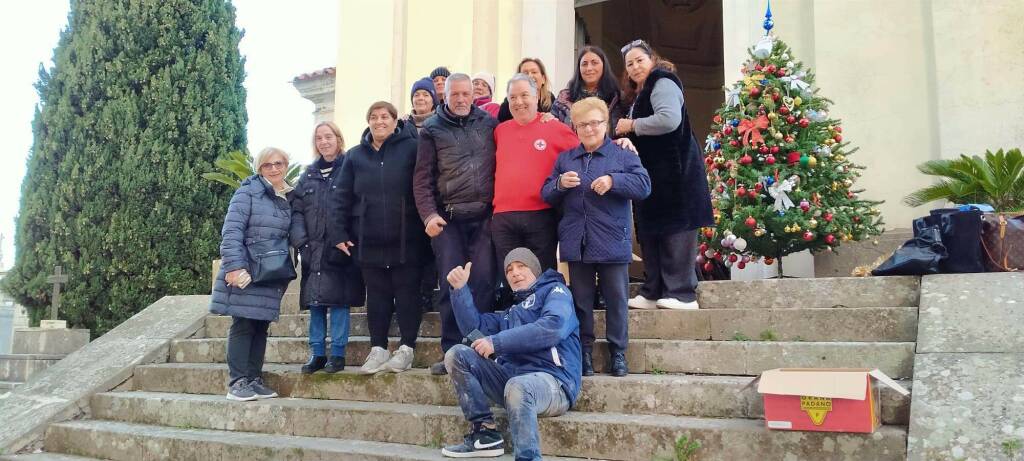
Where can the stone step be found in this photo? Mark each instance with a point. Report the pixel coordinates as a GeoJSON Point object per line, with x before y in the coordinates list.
{"type": "Point", "coordinates": [867, 324]}
{"type": "Point", "coordinates": [8, 385]}
{"type": "Point", "coordinates": [132, 442]}
{"type": "Point", "coordinates": [676, 395]}
{"type": "Point", "coordinates": [45, 457]}
{"type": "Point", "coordinates": [643, 355]}
{"type": "Point", "coordinates": [20, 367]}
{"type": "Point", "coordinates": [811, 292]}
{"type": "Point", "coordinates": [594, 435]}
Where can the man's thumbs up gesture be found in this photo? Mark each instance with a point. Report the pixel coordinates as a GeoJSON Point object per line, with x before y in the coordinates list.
{"type": "Point", "coordinates": [458, 277]}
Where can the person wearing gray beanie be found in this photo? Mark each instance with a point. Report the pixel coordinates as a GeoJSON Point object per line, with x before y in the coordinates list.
{"type": "Point", "coordinates": [526, 257]}
{"type": "Point", "coordinates": [438, 76]}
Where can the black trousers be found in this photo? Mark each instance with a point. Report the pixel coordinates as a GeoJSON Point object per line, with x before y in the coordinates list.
{"type": "Point", "coordinates": [247, 345]}
{"type": "Point", "coordinates": [536, 230]}
{"type": "Point", "coordinates": [463, 241]}
{"type": "Point", "coordinates": [669, 261]}
{"type": "Point", "coordinates": [613, 281]}
{"type": "Point", "coordinates": [393, 291]}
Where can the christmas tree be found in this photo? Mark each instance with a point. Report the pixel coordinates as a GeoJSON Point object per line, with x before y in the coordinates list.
{"type": "Point", "coordinates": [141, 99]}
{"type": "Point", "coordinates": [778, 167]}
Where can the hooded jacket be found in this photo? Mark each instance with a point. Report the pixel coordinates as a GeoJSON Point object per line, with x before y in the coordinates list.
{"type": "Point", "coordinates": [540, 333]}
{"type": "Point", "coordinates": [376, 209]}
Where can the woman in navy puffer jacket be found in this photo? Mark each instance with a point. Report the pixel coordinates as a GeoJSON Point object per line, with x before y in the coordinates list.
{"type": "Point", "coordinates": [258, 211]}
{"type": "Point", "coordinates": [594, 184]}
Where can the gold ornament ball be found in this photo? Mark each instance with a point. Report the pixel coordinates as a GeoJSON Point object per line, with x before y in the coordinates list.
{"type": "Point", "coordinates": [778, 135]}
{"type": "Point", "coordinates": [773, 116]}
{"type": "Point", "coordinates": [758, 232]}
{"type": "Point", "coordinates": [797, 101]}
{"type": "Point", "coordinates": [847, 182]}
{"type": "Point", "coordinates": [813, 223]}
{"type": "Point", "coordinates": [840, 158]}
{"type": "Point", "coordinates": [812, 162]}
{"type": "Point", "coordinates": [720, 160]}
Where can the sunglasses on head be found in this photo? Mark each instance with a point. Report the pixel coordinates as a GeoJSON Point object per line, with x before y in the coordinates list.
{"type": "Point", "coordinates": [638, 43]}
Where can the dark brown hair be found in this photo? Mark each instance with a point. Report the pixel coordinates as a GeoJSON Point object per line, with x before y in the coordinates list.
{"type": "Point", "coordinates": [629, 87]}
{"type": "Point", "coordinates": [382, 105]}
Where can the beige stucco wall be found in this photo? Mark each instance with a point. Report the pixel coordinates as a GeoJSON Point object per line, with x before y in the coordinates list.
{"type": "Point", "coordinates": [386, 45]}
{"type": "Point", "coordinates": [911, 80]}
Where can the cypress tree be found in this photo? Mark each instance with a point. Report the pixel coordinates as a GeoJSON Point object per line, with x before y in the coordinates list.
{"type": "Point", "coordinates": [142, 98]}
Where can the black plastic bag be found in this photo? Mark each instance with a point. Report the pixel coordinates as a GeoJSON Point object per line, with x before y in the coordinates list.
{"type": "Point", "coordinates": [920, 255]}
{"type": "Point", "coordinates": [961, 235]}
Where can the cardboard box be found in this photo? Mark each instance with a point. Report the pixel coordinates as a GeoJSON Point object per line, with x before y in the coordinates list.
{"type": "Point", "coordinates": [823, 399]}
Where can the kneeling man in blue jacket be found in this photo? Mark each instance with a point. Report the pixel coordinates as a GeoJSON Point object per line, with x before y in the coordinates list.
{"type": "Point", "coordinates": [526, 359]}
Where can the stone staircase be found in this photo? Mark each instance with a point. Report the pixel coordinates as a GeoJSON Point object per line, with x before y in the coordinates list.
{"type": "Point", "coordinates": [34, 350]}
{"type": "Point", "coordinates": [688, 375]}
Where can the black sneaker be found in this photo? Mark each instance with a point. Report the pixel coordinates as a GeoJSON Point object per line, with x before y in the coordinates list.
{"type": "Point", "coordinates": [588, 363]}
{"type": "Point", "coordinates": [314, 364]}
{"type": "Point", "coordinates": [438, 369]}
{"type": "Point", "coordinates": [335, 364]}
{"type": "Point", "coordinates": [261, 390]}
{"type": "Point", "coordinates": [481, 443]}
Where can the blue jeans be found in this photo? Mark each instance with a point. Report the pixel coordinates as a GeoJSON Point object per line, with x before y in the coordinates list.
{"type": "Point", "coordinates": [479, 381]}
{"type": "Point", "coordinates": [318, 330]}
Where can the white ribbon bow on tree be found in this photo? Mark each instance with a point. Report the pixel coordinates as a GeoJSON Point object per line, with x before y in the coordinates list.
{"type": "Point", "coordinates": [732, 97]}
{"type": "Point", "coordinates": [779, 190]}
{"type": "Point", "coordinates": [709, 145]}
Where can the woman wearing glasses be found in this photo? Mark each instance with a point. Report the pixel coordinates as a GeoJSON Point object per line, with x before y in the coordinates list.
{"type": "Point", "coordinates": [259, 210]}
{"type": "Point", "coordinates": [330, 280]}
{"type": "Point", "coordinates": [594, 184]}
{"type": "Point", "coordinates": [679, 204]}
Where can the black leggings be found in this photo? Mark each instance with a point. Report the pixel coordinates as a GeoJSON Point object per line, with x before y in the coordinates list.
{"type": "Point", "coordinates": [247, 345]}
{"type": "Point", "coordinates": [390, 291]}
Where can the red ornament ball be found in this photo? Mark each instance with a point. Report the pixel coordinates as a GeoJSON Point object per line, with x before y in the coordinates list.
{"type": "Point", "coordinates": [750, 222]}
{"type": "Point", "coordinates": [758, 67]}
{"type": "Point", "coordinates": [734, 143]}
{"type": "Point", "coordinates": [770, 69]}
{"type": "Point", "coordinates": [703, 248]}
{"type": "Point", "coordinates": [770, 159]}
{"type": "Point", "coordinates": [755, 92]}
{"type": "Point", "coordinates": [856, 219]}
{"type": "Point", "coordinates": [791, 120]}
{"type": "Point", "coordinates": [808, 236]}
{"type": "Point", "coordinates": [784, 110]}
{"type": "Point", "coordinates": [752, 193]}
{"type": "Point", "coordinates": [741, 264]}
{"type": "Point", "coordinates": [775, 96]}
{"type": "Point", "coordinates": [781, 72]}
{"type": "Point", "coordinates": [727, 130]}
{"type": "Point", "coordinates": [709, 233]}
{"type": "Point", "coordinates": [708, 266]}
{"type": "Point", "coordinates": [731, 181]}
{"type": "Point", "coordinates": [758, 187]}
{"type": "Point", "coordinates": [793, 158]}
{"type": "Point", "coordinates": [804, 123]}
{"type": "Point", "coordinates": [717, 118]}
{"type": "Point", "coordinates": [828, 217]}
{"type": "Point", "coordinates": [741, 191]}
{"type": "Point", "coordinates": [763, 149]}
{"type": "Point", "coordinates": [718, 255]}
{"type": "Point", "coordinates": [775, 149]}
{"type": "Point", "coordinates": [838, 138]}
{"type": "Point", "coordinates": [733, 258]}
{"type": "Point", "coordinates": [830, 239]}
{"type": "Point", "coordinates": [746, 159]}
{"type": "Point", "coordinates": [838, 129]}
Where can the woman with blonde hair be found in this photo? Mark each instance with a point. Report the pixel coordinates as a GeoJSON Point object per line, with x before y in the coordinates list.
{"type": "Point", "coordinates": [547, 102]}
{"type": "Point", "coordinates": [330, 281]}
{"type": "Point", "coordinates": [258, 212]}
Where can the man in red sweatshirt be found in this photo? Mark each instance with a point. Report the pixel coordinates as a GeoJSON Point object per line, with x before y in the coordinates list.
{"type": "Point", "coordinates": [527, 148]}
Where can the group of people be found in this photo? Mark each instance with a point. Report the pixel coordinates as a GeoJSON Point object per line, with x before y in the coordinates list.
{"type": "Point", "coordinates": [460, 190]}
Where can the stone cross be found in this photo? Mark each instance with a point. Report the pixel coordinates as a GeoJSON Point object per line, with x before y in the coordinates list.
{"type": "Point", "coordinates": [56, 279]}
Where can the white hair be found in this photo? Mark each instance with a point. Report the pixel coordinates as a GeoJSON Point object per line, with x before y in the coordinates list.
{"type": "Point", "coordinates": [521, 77]}
{"type": "Point", "coordinates": [456, 77]}
{"type": "Point", "coordinates": [264, 154]}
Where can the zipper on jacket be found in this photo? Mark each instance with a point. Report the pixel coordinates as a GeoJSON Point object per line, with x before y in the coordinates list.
{"type": "Point", "coordinates": [586, 218]}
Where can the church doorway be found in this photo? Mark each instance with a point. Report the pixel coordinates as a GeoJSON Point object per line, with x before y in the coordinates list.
{"type": "Point", "coordinates": [686, 32]}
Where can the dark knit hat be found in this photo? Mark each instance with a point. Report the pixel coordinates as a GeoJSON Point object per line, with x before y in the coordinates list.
{"type": "Point", "coordinates": [440, 72]}
{"type": "Point", "coordinates": [424, 84]}
{"type": "Point", "coordinates": [525, 256]}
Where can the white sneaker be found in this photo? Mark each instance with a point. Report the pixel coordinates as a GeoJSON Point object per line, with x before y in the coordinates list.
{"type": "Point", "coordinates": [675, 304]}
{"type": "Point", "coordinates": [375, 361]}
{"type": "Point", "coordinates": [401, 360]}
{"type": "Point", "coordinates": [640, 302]}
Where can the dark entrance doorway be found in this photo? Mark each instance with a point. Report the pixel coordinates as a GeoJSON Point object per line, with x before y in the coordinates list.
{"type": "Point", "coordinates": [686, 32]}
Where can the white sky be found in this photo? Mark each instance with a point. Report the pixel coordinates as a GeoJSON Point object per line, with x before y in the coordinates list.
{"type": "Point", "coordinates": [282, 40]}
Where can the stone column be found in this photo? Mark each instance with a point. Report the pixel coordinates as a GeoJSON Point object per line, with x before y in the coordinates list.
{"type": "Point", "coordinates": [318, 87]}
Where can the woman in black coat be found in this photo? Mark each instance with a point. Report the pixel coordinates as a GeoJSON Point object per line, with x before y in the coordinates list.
{"type": "Point", "coordinates": [593, 77]}
{"type": "Point", "coordinates": [679, 205]}
{"type": "Point", "coordinates": [380, 226]}
{"type": "Point", "coordinates": [330, 280]}
{"type": "Point", "coordinates": [259, 211]}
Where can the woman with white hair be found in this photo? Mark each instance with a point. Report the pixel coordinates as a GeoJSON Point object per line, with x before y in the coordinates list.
{"type": "Point", "coordinates": [259, 213]}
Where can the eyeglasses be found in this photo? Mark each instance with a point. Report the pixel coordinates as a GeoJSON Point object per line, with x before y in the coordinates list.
{"type": "Point", "coordinates": [279, 165]}
{"type": "Point", "coordinates": [593, 125]}
{"type": "Point", "coordinates": [638, 43]}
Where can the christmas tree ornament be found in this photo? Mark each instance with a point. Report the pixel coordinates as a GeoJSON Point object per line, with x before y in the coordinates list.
{"type": "Point", "coordinates": [790, 119]}
{"type": "Point", "coordinates": [793, 158]}
{"type": "Point", "coordinates": [709, 253]}
{"type": "Point", "coordinates": [727, 130]}
{"type": "Point", "coordinates": [750, 130]}
{"type": "Point", "coordinates": [708, 266]}
{"type": "Point", "coordinates": [759, 232]}
{"type": "Point", "coordinates": [739, 244]}
{"type": "Point", "coordinates": [741, 265]}
{"type": "Point", "coordinates": [812, 223]}
{"type": "Point", "coordinates": [805, 205]}
{"type": "Point", "coordinates": [784, 111]}
{"type": "Point", "coordinates": [804, 123]}
{"type": "Point", "coordinates": [750, 222]}
{"type": "Point", "coordinates": [777, 136]}
{"type": "Point", "coordinates": [775, 149]}
{"type": "Point", "coordinates": [755, 92]}
{"type": "Point", "coordinates": [808, 236]}
{"type": "Point", "coordinates": [797, 101]}
{"type": "Point", "coordinates": [709, 233]}
{"type": "Point", "coordinates": [746, 159]}
{"type": "Point", "coordinates": [701, 259]}
{"type": "Point", "coordinates": [827, 217]}
{"type": "Point", "coordinates": [812, 162]}
{"type": "Point", "coordinates": [804, 160]}
{"type": "Point", "coordinates": [830, 239]}
{"type": "Point", "coordinates": [838, 138]}
{"type": "Point", "coordinates": [718, 256]}
{"type": "Point", "coordinates": [741, 191]}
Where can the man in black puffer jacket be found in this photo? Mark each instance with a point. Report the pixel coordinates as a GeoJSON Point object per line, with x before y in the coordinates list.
{"type": "Point", "coordinates": [454, 187]}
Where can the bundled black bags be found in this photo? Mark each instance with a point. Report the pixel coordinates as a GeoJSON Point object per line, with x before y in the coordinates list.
{"type": "Point", "coordinates": [948, 240]}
